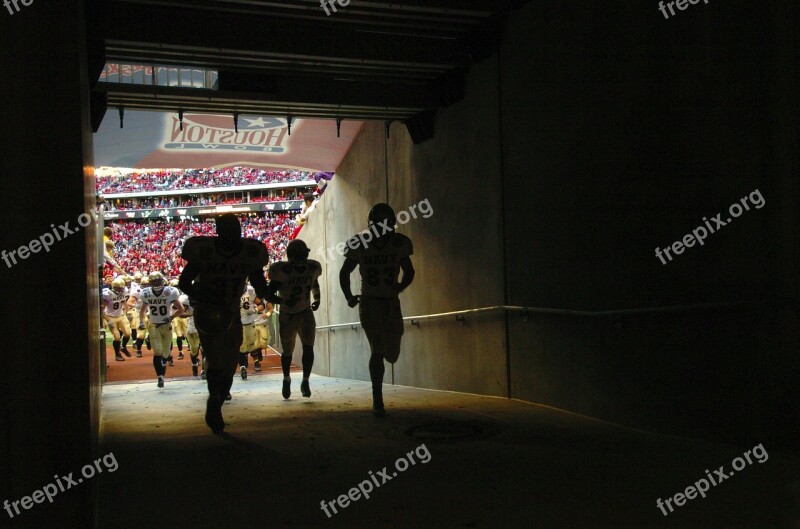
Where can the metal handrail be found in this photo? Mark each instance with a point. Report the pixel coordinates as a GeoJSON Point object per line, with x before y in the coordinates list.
{"type": "Point", "coordinates": [459, 314]}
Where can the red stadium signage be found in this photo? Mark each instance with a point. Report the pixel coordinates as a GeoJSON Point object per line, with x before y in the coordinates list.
{"type": "Point", "coordinates": [213, 132]}
{"type": "Point", "coordinates": [158, 139]}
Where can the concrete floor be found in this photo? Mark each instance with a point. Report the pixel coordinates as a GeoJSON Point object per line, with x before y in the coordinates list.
{"type": "Point", "coordinates": [532, 466]}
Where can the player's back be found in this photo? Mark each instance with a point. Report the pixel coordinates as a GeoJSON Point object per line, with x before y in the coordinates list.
{"type": "Point", "coordinates": [222, 277]}
{"type": "Point", "coordinates": [297, 280]}
{"type": "Point", "coordinates": [379, 263]}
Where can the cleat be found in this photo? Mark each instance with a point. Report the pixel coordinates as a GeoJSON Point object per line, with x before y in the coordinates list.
{"type": "Point", "coordinates": [214, 414]}
{"type": "Point", "coordinates": [118, 357]}
{"type": "Point", "coordinates": [138, 353]}
{"type": "Point", "coordinates": [287, 389]}
{"type": "Point", "coordinates": [258, 365]}
{"type": "Point", "coordinates": [194, 370]}
{"type": "Point", "coordinates": [202, 375]}
{"type": "Point", "coordinates": [243, 371]}
{"type": "Point", "coordinates": [180, 355]}
{"type": "Point", "coordinates": [228, 396]}
{"type": "Point", "coordinates": [126, 352]}
{"type": "Point", "coordinates": [304, 389]}
{"type": "Point", "coordinates": [171, 361]}
{"type": "Point", "coordinates": [161, 382]}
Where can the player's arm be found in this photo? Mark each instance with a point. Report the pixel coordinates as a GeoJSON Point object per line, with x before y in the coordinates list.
{"type": "Point", "coordinates": [142, 310]}
{"type": "Point", "coordinates": [272, 292]}
{"type": "Point", "coordinates": [179, 310]}
{"type": "Point", "coordinates": [408, 274]}
{"type": "Point", "coordinates": [131, 302]}
{"type": "Point", "coordinates": [344, 281]}
{"type": "Point", "coordinates": [315, 295]}
{"type": "Point", "coordinates": [105, 307]}
{"type": "Point", "coordinates": [185, 285]}
{"type": "Point", "coordinates": [259, 283]}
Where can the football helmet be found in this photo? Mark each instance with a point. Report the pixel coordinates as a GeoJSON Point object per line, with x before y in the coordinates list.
{"type": "Point", "coordinates": [118, 285]}
{"type": "Point", "coordinates": [382, 212]}
{"type": "Point", "coordinates": [297, 251]}
{"type": "Point", "coordinates": [156, 280]}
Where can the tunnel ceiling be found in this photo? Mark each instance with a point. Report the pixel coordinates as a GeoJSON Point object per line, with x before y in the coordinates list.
{"type": "Point", "coordinates": [368, 60]}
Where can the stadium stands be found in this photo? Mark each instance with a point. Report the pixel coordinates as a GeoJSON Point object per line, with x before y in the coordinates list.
{"type": "Point", "coordinates": [155, 245]}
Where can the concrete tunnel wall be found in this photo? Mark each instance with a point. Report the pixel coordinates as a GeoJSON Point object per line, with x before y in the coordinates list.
{"type": "Point", "coordinates": [582, 190]}
{"type": "Point", "coordinates": [456, 173]}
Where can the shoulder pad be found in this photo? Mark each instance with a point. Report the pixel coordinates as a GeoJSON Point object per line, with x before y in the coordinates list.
{"type": "Point", "coordinates": [198, 247]}
{"type": "Point", "coordinates": [315, 265]}
{"type": "Point", "coordinates": [256, 251]}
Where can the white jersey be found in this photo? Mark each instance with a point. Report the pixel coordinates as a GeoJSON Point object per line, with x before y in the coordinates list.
{"type": "Point", "coordinates": [297, 281]}
{"type": "Point", "coordinates": [114, 303]}
{"type": "Point", "coordinates": [159, 306]}
{"type": "Point", "coordinates": [136, 292]}
{"type": "Point", "coordinates": [379, 266]}
{"type": "Point", "coordinates": [247, 306]}
{"type": "Point", "coordinates": [188, 311]}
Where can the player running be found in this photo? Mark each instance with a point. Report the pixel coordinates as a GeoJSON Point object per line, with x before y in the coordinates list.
{"type": "Point", "coordinates": [248, 309]}
{"type": "Point", "coordinates": [135, 289]}
{"type": "Point", "coordinates": [380, 260]}
{"type": "Point", "coordinates": [262, 332]}
{"type": "Point", "coordinates": [191, 333]}
{"type": "Point", "coordinates": [117, 300]}
{"type": "Point", "coordinates": [179, 325]}
{"type": "Point", "coordinates": [214, 279]}
{"type": "Point", "coordinates": [163, 306]}
{"type": "Point", "coordinates": [293, 282]}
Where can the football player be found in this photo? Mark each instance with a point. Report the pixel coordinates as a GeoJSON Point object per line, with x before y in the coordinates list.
{"type": "Point", "coordinates": [380, 259]}
{"type": "Point", "coordinates": [290, 285]}
{"type": "Point", "coordinates": [262, 332]}
{"type": "Point", "coordinates": [117, 300]}
{"type": "Point", "coordinates": [248, 309]}
{"type": "Point", "coordinates": [163, 306]}
{"type": "Point", "coordinates": [214, 279]}
{"type": "Point", "coordinates": [135, 291]}
{"type": "Point", "coordinates": [191, 332]}
{"type": "Point", "coordinates": [179, 325]}
{"type": "Point", "coordinates": [141, 336]}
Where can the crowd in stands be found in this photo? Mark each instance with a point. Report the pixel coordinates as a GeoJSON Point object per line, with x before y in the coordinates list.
{"type": "Point", "coordinates": [138, 182]}
{"type": "Point", "coordinates": [155, 245]}
{"type": "Point", "coordinates": [178, 179]}
{"type": "Point", "coordinates": [210, 199]}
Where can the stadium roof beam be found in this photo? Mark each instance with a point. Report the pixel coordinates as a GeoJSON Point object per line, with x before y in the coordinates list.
{"type": "Point", "coordinates": [363, 102]}
{"type": "Point", "coordinates": [369, 60]}
{"type": "Point", "coordinates": [173, 30]}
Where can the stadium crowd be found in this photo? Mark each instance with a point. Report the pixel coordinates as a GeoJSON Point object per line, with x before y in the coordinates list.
{"type": "Point", "coordinates": [210, 199]}
{"type": "Point", "coordinates": [155, 245]}
{"type": "Point", "coordinates": [179, 179]}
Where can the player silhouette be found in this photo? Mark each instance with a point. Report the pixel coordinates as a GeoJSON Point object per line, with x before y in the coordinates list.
{"type": "Point", "coordinates": [214, 279]}
{"type": "Point", "coordinates": [380, 253]}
